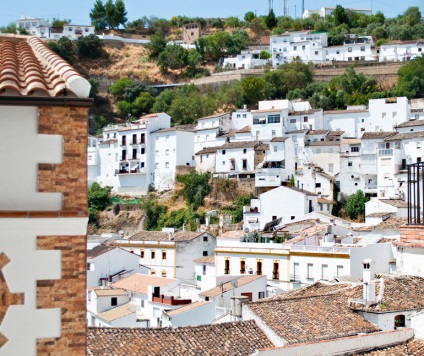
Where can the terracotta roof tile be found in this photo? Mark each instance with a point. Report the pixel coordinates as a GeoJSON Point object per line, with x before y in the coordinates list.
{"type": "Point", "coordinates": [187, 307]}
{"type": "Point", "coordinates": [398, 203]}
{"type": "Point", "coordinates": [150, 236]}
{"type": "Point", "coordinates": [391, 223]}
{"type": "Point", "coordinates": [210, 260]}
{"type": "Point", "coordinates": [279, 139]}
{"type": "Point", "coordinates": [139, 282]}
{"type": "Point", "coordinates": [245, 129]}
{"type": "Point", "coordinates": [414, 347]}
{"type": "Point", "coordinates": [99, 250]}
{"type": "Point", "coordinates": [377, 135]}
{"type": "Point", "coordinates": [118, 312]}
{"type": "Point", "coordinates": [213, 116]}
{"type": "Point", "coordinates": [317, 132]}
{"type": "Point", "coordinates": [303, 191]}
{"type": "Point", "coordinates": [332, 112]}
{"type": "Point", "coordinates": [406, 136]}
{"type": "Point", "coordinates": [229, 339]}
{"type": "Point", "coordinates": [107, 292]}
{"type": "Point", "coordinates": [411, 123]}
{"type": "Point", "coordinates": [242, 144]}
{"type": "Point", "coordinates": [313, 318]}
{"type": "Point", "coordinates": [325, 143]}
{"type": "Point", "coordinates": [207, 150]}
{"type": "Point", "coordinates": [29, 68]}
{"type": "Point", "coordinates": [213, 292]}
{"type": "Point", "coordinates": [234, 234]}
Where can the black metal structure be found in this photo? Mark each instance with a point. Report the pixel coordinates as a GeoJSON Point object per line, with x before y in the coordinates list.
{"type": "Point", "coordinates": [415, 189]}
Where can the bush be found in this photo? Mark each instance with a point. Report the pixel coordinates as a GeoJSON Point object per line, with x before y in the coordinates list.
{"type": "Point", "coordinates": [64, 47]}
{"type": "Point", "coordinates": [355, 206]}
{"type": "Point", "coordinates": [89, 46]}
{"type": "Point", "coordinates": [98, 200]}
{"type": "Point", "coordinates": [196, 187]}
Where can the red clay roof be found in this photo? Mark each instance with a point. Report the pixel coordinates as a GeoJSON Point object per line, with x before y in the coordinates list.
{"type": "Point", "coordinates": [29, 68]}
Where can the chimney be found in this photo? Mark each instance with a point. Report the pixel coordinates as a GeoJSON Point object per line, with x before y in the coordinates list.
{"type": "Point", "coordinates": [184, 228]}
{"type": "Point", "coordinates": [368, 281]}
{"type": "Point", "coordinates": [170, 236]}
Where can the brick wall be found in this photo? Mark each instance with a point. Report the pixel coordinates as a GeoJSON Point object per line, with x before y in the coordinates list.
{"type": "Point", "coordinates": [67, 293]}
{"type": "Point", "coordinates": [412, 234]}
{"type": "Point", "coordinates": [70, 177]}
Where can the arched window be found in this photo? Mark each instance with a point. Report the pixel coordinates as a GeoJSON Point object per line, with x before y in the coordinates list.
{"type": "Point", "coordinates": [400, 321]}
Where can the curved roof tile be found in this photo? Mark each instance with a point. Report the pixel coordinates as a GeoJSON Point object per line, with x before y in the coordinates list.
{"type": "Point", "coordinates": [28, 67]}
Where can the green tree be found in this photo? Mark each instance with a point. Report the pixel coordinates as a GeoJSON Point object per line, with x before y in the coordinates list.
{"type": "Point", "coordinates": [193, 59]}
{"type": "Point", "coordinates": [232, 22]}
{"type": "Point", "coordinates": [264, 54]}
{"type": "Point", "coordinates": [271, 20]}
{"type": "Point", "coordinates": [340, 16]}
{"type": "Point", "coordinates": [117, 88]}
{"type": "Point", "coordinates": [196, 187]}
{"type": "Point", "coordinates": [89, 46]}
{"type": "Point", "coordinates": [253, 89]}
{"type": "Point", "coordinates": [156, 45]}
{"type": "Point", "coordinates": [355, 205]}
{"type": "Point", "coordinates": [258, 25]}
{"type": "Point", "coordinates": [410, 79]}
{"type": "Point", "coordinates": [98, 200]}
{"type": "Point", "coordinates": [142, 104]}
{"type": "Point", "coordinates": [64, 47]}
{"type": "Point", "coordinates": [153, 211]}
{"type": "Point", "coordinates": [60, 23]}
{"type": "Point", "coordinates": [412, 15]}
{"type": "Point", "coordinates": [120, 13]}
{"type": "Point", "coordinates": [110, 14]}
{"type": "Point", "coordinates": [249, 16]}
{"type": "Point", "coordinates": [173, 57]}
{"type": "Point", "coordinates": [98, 15]}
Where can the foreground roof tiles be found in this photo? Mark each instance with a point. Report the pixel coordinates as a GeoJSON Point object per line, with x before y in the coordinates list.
{"type": "Point", "coordinates": [315, 318]}
{"type": "Point", "coordinates": [414, 347]}
{"type": "Point", "coordinates": [234, 339]}
{"type": "Point", "coordinates": [29, 68]}
{"type": "Point", "coordinates": [139, 282]}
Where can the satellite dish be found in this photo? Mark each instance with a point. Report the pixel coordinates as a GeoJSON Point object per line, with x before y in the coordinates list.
{"type": "Point", "coordinates": [234, 283]}
{"type": "Point", "coordinates": [246, 230]}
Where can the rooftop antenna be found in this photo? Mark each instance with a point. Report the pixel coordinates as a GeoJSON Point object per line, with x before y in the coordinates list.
{"type": "Point", "coordinates": [303, 7]}
{"type": "Point", "coordinates": [270, 5]}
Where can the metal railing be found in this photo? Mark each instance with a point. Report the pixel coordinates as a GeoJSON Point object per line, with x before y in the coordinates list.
{"type": "Point", "coordinates": [415, 190]}
{"type": "Point", "coordinates": [385, 152]}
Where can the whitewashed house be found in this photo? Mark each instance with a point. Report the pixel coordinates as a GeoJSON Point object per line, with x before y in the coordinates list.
{"type": "Point", "coordinates": [353, 121]}
{"type": "Point", "coordinates": [209, 130]}
{"type": "Point", "coordinates": [328, 10]}
{"type": "Point", "coordinates": [353, 49]}
{"type": "Point", "coordinates": [169, 254]}
{"type": "Point", "coordinates": [308, 119]}
{"type": "Point", "coordinates": [370, 142]}
{"type": "Point", "coordinates": [350, 177]}
{"type": "Point", "coordinates": [174, 146]}
{"type": "Point", "coordinates": [205, 159]}
{"type": "Point", "coordinates": [401, 51]}
{"type": "Point", "coordinates": [196, 313]}
{"type": "Point", "coordinates": [325, 154]}
{"type": "Point", "coordinates": [239, 159]}
{"type": "Point", "coordinates": [127, 154]}
{"type": "Point", "coordinates": [278, 163]}
{"type": "Point", "coordinates": [247, 59]}
{"type": "Point", "coordinates": [397, 207]}
{"type": "Point", "coordinates": [241, 118]}
{"type": "Point", "coordinates": [303, 44]}
{"type": "Point", "coordinates": [106, 264]}
{"type": "Point", "coordinates": [282, 202]}
{"type": "Point", "coordinates": [93, 160]}
{"type": "Point", "coordinates": [205, 272]}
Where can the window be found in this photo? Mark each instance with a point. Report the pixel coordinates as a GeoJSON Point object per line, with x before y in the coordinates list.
{"type": "Point", "coordinates": [362, 48]}
{"type": "Point", "coordinates": [244, 116]}
{"type": "Point", "coordinates": [330, 167]}
{"type": "Point", "coordinates": [259, 267]}
{"type": "Point", "coordinates": [275, 148]}
{"type": "Point", "coordinates": [166, 164]}
{"type": "Point", "coordinates": [310, 271]}
{"type": "Point", "coordinates": [152, 255]}
{"type": "Point", "coordinates": [273, 133]}
{"type": "Point", "coordinates": [167, 137]}
{"type": "Point", "coordinates": [354, 149]}
{"type": "Point", "coordinates": [273, 119]}
{"type": "Point", "coordinates": [317, 185]}
{"type": "Point", "coordinates": [167, 152]}
{"type": "Point", "coordinates": [90, 266]}
{"type": "Point", "coordinates": [205, 238]}
{"type": "Point", "coordinates": [163, 273]}
{"type": "Point", "coordinates": [232, 164]}
{"type": "Point", "coordinates": [292, 121]}
{"type": "Point", "coordinates": [275, 270]}
{"type": "Point", "coordinates": [205, 253]}
{"type": "Point", "coordinates": [339, 270]}
{"type": "Point", "coordinates": [418, 145]}
{"type": "Point", "coordinates": [164, 255]}
{"type": "Point", "coordinates": [349, 49]}
{"type": "Point", "coordinates": [394, 113]}
{"type": "Point", "coordinates": [244, 150]}
{"type": "Point", "coordinates": [114, 301]}
{"type": "Point", "coordinates": [261, 295]}
{"type": "Point", "coordinates": [152, 272]}
{"type": "Point", "coordinates": [242, 266]}
{"type": "Point", "coordinates": [204, 270]}
{"type": "Point", "coordinates": [143, 151]}
{"type": "Point", "coordinates": [295, 48]}
{"type": "Point", "coordinates": [316, 53]}
{"type": "Point", "coordinates": [238, 116]}
{"type": "Point", "coordinates": [292, 217]}
{"type": "Point", "coordinates": [244, 164]}
{"type": "Point", "coordinates": [383, 115]}
{"type": "Point", "coordinates": [324, 272]}
{"type": "Point", "coordinates": [142, 253]}
{"type": "Point", "coordinates": [303, 47]}
{"type": "Point", "coordinates": [305, 119]}
{"type": "Point", "coordinates": [399, 321]}
{"type": "Point", "coordinates": [349, 164]}
{"type": "Point", "coordinates": [227, 266]}
{"type": "Point", "coordinates": [223, 152]}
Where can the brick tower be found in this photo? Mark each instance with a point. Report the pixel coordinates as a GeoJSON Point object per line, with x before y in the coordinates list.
{"type": "Point", "coordinates": [43, 200]}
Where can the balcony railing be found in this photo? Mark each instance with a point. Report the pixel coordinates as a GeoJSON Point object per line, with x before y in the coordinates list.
{"type": "Point", "coordinates": [385, 152]}
{"type": "Point", "coordinates": [169, 300]}
{"type": "Point", "coordinates": [304, 248]}
{"type": "Point", "coordinates": [294, 278]}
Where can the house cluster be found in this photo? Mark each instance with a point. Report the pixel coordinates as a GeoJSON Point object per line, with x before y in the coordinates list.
{"type": "Point", "coordinates": [313, 47]}
{"type": "Point", "coordinates": [285, 148]}
{"type": "Point", "coordinates": [41, 28]}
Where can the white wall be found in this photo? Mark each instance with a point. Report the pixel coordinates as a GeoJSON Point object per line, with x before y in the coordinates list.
{"type": "Point", "coordinates": [201, 315]}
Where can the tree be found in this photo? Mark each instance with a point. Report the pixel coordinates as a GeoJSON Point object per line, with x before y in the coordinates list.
{"type": "Point", "coordinates": [110, 14]}
{"type": "Point", "coordinates": [340, 16]}
{"type": "Point", "coordinates": [98, 200]}
{"type": "Point", "coordinates": [253, 89]}
{"type": "Point", "coordinates": [196, 187]}
{"type": "Point", "coordinates": [264, 54]}
{"type": "Point", "coordinates": [120, 14]}
{"type": "Point", "coordinates": [153, 211]}
{"type": "Point", "coordinates": [410, 79]}
{"type": "Point", "coordinates": [355, 205]}
{"type": "Point", "coordinates": [193, 59]}
{"type": "Point", "coordinates": [412, 15]}
{"type": "Point", "coordinates": [117, 88]}
{"type": "Point", "coordinates": [156, 45]}
{"type": "Point", "coordinates": [249, 16]}
{"type": "Point", "coordinates": [257, 25]}
{"type": "Point", "coordinates": [98, 15]}
{"type": "Point", "coordinates": [173, 57]}
{"type": "Point", "coordinates": [271, 20]}
{"type": "Point", "coordinates": [89, 46]}
{"type": "Point", "coordinates": [64, 47]}
{"type": "Point", "coordinates": [60, 23]}
{"type": "Point", "coordinates": [232, 21]}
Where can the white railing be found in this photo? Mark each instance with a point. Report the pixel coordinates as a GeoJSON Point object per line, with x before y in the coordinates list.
{"type": "Point", "coordinates": [304, 248]}
{"type": "Point", "coordinates": [385, 152]}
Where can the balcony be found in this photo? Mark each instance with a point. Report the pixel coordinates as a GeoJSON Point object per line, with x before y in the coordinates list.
{"type": "Point", "coordinates": [295, 278]}
{"type": "Point", "coordinates": [169, 300]}
{"type": "Point", "coordinates": [134, 142]}
{"type": "Point", "coordinates": [385, 152]}
{"type": "Point", "coordinates": [132, 171]}
{"type": "Point", "coordinates": [133, 158]}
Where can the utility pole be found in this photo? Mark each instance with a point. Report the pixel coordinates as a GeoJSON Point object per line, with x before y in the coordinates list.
{"type": "Point", "coordinates": [303, 7]}
{"type": "Point", "coordinates": [286, 8]}
{"type": "Point", "coordinates": [270, 5]}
